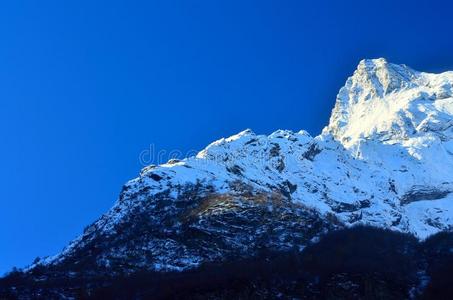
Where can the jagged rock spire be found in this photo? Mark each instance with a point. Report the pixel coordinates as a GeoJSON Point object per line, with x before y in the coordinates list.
{"type": "Point", "coordinates": [387, 101]}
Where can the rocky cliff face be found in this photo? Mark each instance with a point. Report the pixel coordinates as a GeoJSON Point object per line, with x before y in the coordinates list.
{"type": "Point", "coordinates": [385, 159]}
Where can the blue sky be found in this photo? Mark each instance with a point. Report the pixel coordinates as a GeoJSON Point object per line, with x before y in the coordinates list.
{"type": "Point", "coordinates": [86, 86]}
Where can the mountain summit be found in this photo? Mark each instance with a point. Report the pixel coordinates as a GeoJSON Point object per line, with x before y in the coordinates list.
{"type": "Point", "coordinates": [392, 101]}
{"type": "Point", "coordinates": [385, 159]}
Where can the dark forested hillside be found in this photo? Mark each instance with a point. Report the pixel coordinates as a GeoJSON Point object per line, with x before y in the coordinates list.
{"type": "Point", "coordinates": [356, 263]}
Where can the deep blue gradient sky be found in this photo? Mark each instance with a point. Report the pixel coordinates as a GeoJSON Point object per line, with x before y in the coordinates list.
{"type": "Point", "coordinates": [86, 86]}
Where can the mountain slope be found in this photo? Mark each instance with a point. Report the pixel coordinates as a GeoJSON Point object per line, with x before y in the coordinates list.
{"type": "Point", "coordinates": [385, 159]}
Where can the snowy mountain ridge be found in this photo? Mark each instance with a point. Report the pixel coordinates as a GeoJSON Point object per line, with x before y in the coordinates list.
{"type": "Point", "coordinates": [385, 159]}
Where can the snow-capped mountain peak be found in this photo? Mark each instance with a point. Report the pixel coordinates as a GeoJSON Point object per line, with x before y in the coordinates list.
{"type": "Point", "coordinates": [378, 77]}
{"type": "Point", "coordinates": [385, 159]}
{"type": "Point", "coordinates": [392, 103]}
